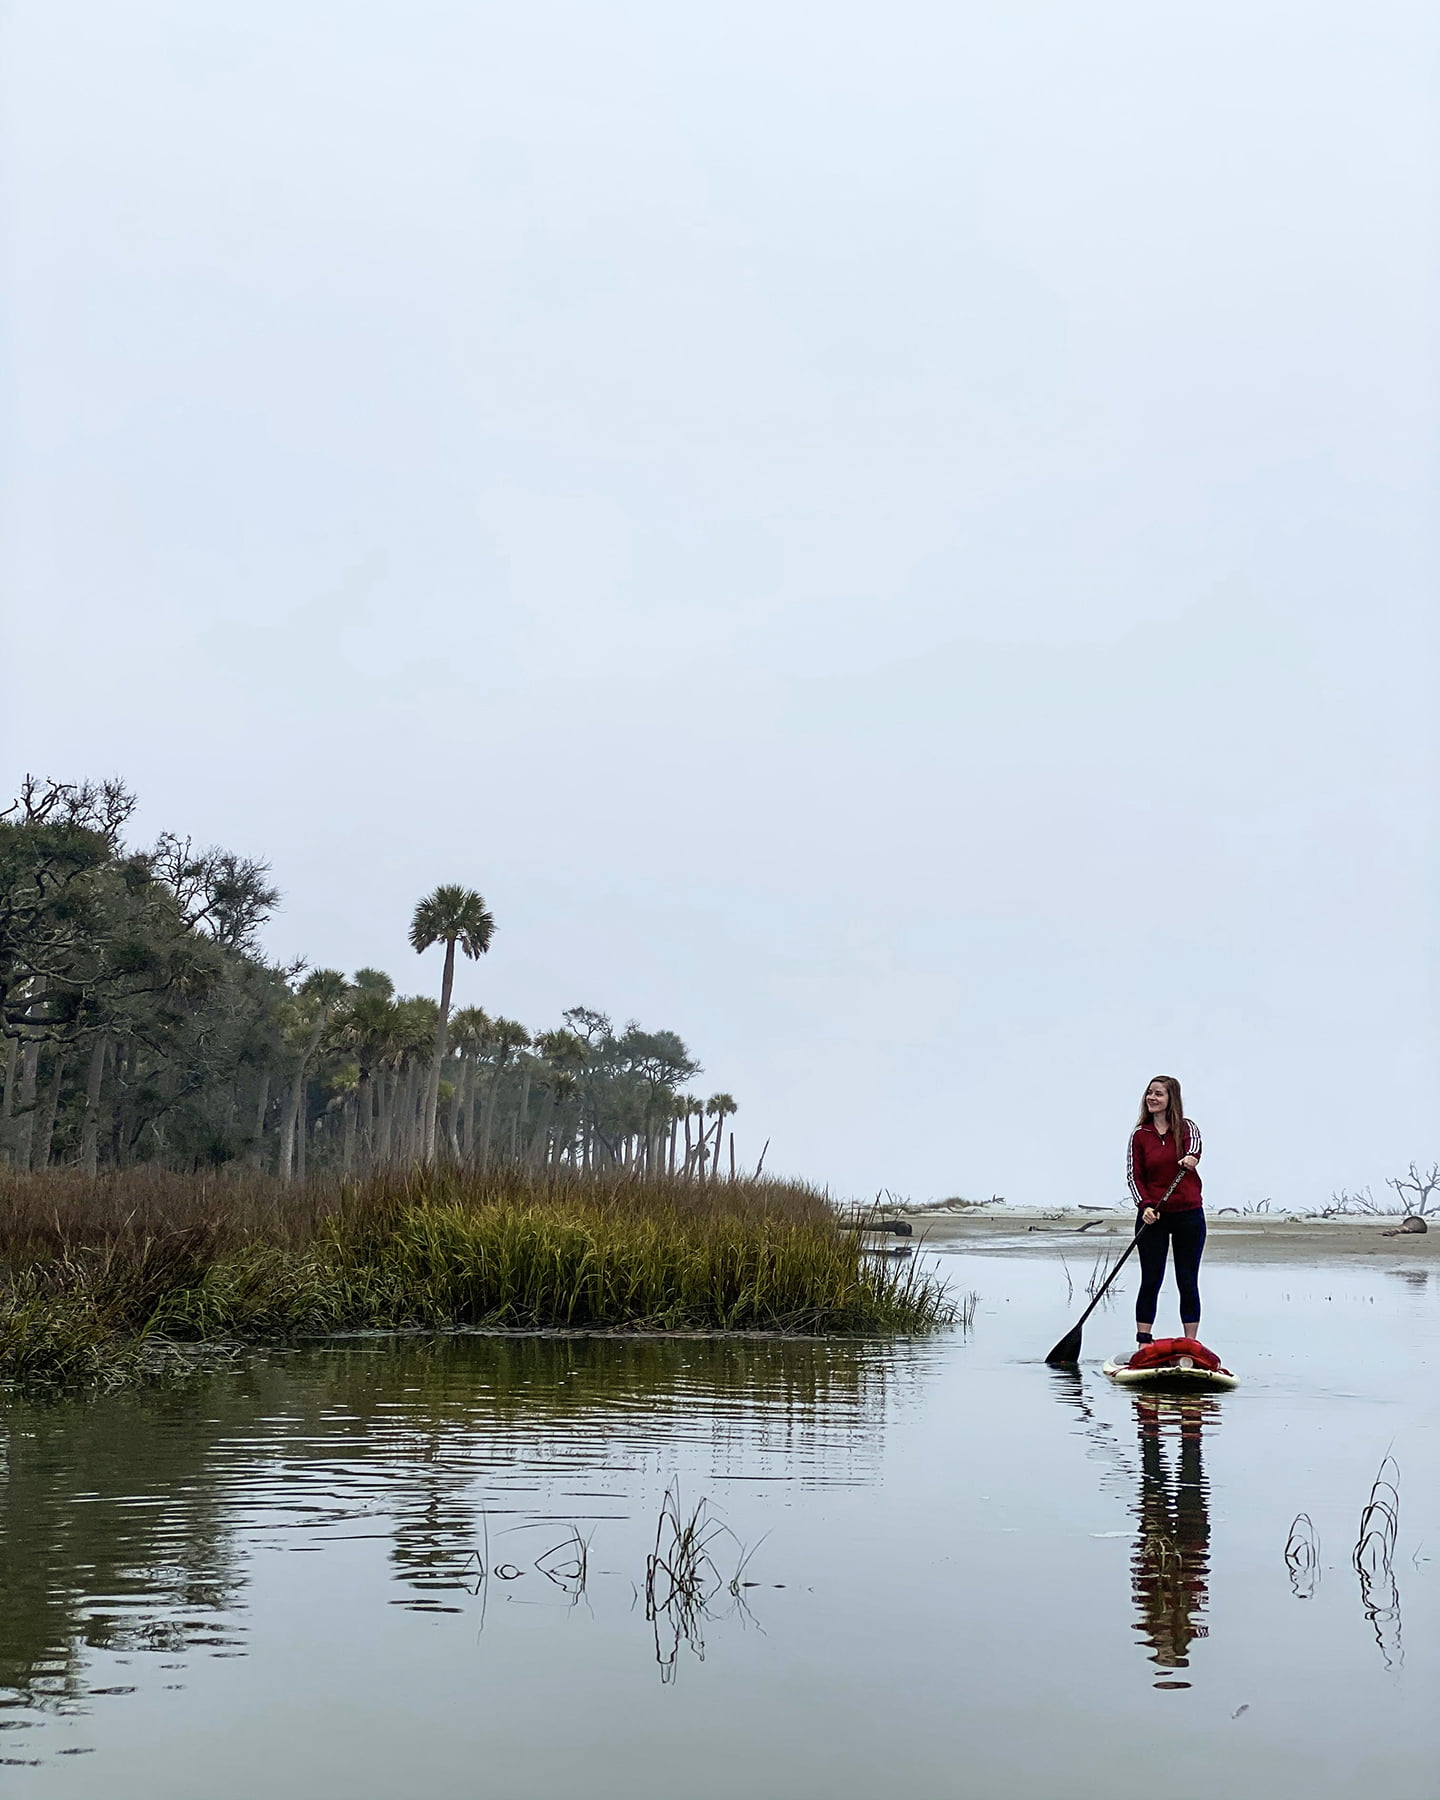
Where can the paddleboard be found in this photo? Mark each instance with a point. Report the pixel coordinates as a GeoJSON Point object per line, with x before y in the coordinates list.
{"type": "Point", "coordinates": [1181, 1376]}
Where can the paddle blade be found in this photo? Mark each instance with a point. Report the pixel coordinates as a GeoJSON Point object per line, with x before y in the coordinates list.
{"type": "Point", "coordinates": [1067, 1350]}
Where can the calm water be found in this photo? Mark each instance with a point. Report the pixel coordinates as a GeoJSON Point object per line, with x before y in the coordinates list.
{"type": "Point", "coordinates": [354, 1571]}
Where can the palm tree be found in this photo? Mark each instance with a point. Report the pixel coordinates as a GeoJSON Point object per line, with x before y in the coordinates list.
{"type": "Point", "coordinates": [562, 1054]}
{"type": "Point", "coordinates": [718, 1106]}
{"type": "Point", "coordinates": [415, 1020]}
{"type": "Point", "coordinates": [321, 992]}
{"type": "Point", "coordinates": [370, 1030]}
{"type": "Point", "coordinates": [503, 1036]}
{"type": "Point", "coordinates": [451, 915]}
{"type": "Point", "coordinates": [688, 1107]}
{"type": "Point", "coordinates": [468, 1031]}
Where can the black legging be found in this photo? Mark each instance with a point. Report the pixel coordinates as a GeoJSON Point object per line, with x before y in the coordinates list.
{"type": "Point", "coordinates": [1186, 1231]}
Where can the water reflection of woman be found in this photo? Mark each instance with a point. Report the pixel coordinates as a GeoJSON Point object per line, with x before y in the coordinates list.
{"type": "Point", "coordinates": [1170, 1566]}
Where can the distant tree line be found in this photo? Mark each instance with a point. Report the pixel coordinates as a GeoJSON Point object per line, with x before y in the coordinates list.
{"type": "Point", "coordinates": [142, 1024]}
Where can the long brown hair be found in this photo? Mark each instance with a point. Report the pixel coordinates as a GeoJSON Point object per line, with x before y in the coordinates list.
{"type": "Point", "coordinates": [1174, 1105]}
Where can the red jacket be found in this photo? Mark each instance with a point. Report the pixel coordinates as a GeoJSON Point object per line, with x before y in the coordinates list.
{"type": "Point", "coordinates": [1154, 1162]}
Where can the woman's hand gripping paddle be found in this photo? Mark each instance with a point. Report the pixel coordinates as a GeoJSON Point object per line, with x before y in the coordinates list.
{"type": "Point", "coordinates": [1068, 1349]}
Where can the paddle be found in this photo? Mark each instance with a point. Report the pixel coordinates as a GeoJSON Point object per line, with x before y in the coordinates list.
{"type": "Point", "coordinates": [1068, 1349]}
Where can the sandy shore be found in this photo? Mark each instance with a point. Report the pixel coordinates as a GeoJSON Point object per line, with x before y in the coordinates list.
{"type": "Point", "coordinates": [1260, 1237]}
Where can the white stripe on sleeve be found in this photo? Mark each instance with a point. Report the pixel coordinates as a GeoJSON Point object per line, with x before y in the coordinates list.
{"type": "Point", "coordinates": [1140, 1199]}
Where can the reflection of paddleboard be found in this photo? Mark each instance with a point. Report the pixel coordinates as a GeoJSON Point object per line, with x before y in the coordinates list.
{"type": "Point", "coordinates": [1177, 1364]}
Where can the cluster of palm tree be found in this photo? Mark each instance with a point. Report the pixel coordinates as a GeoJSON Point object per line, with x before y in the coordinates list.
{"type": "Point", "coordinates": [383, 1081]}
{"type": "Point", "coordinates": [142, 1024]}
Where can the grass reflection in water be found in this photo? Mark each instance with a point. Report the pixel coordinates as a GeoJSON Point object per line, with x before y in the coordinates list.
{"type": "Point", "coordinates": [129, 1523]}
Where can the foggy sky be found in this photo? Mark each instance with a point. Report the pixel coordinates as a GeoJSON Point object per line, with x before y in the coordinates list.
{"type": "Point", "coordinates": [896, 541]}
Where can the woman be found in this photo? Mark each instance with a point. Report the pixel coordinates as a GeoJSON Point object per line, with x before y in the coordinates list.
{"type": "Point", "coordinates": [1163, 1146]}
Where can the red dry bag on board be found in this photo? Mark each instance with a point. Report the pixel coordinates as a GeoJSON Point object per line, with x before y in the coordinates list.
{"type": "Point", "coordinates": [1168, 1351]}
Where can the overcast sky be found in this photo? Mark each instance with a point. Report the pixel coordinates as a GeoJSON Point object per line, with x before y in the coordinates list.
{"type": "Point", "coordinates": [895, 540]}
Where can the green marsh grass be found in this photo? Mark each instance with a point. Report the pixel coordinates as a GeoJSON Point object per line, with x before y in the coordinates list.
{"type": "Point", "coordinates": [103, 1278]}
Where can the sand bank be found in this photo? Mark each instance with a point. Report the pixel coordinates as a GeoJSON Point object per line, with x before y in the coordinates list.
{"type": "Point", "coordinates": [1258, 1237]}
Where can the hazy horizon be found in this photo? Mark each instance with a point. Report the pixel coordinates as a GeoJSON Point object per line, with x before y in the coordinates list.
{"type": "Point", "coordinates": [904, 553]}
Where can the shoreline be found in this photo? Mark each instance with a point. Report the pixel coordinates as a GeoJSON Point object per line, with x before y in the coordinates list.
{"type": "Point", "coordinates": [1255, 1237]}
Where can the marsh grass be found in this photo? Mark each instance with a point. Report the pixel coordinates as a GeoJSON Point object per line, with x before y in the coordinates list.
{"type": "Point", "coordinates": [1302, 1557]}
{"type": "Point", "coordinates": [1374, 1561]}
{"type": "Point", "coordinates": [100, 1276]}
{"type": "Point", "coordinates": [683, 1580]}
